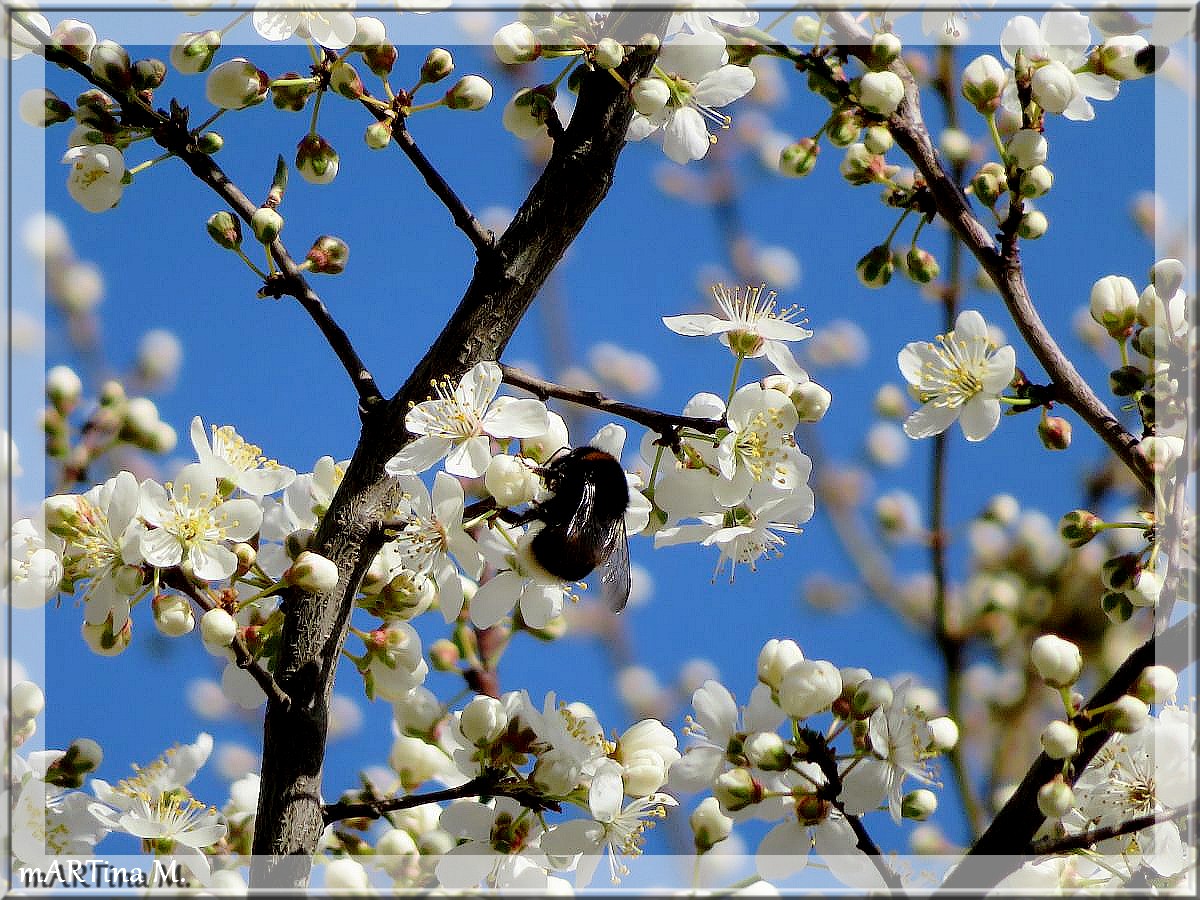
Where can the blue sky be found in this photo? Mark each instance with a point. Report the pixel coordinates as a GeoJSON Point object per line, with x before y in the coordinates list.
{"type": "Point", "coordinates": [261, 366]}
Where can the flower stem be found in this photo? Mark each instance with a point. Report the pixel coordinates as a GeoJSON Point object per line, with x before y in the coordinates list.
{"type": "Point", "coordinates": [253, 268]}
{"type": "Point", "coordinates": [995, 133]}
{"type": "Point", "coordinates": [141, 167]}
{"type": "Point", "coordinates": [737, 370]}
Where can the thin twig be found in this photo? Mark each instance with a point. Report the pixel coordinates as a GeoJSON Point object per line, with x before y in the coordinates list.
{"type": "Point", "coordinates": [1086, 839]}
{"type": "Point", "coordinates": [665, 424]}
{"type": "Point", "coordinates": [486, 785]}
{"type": "Point", "coordinates": [482, 238]}
{"type": "Point", "coordinates": [171, 133]}
{"type": "Point", "coordinates": [241, 653]}
{"type": "Point", "coordinates": [871, 849]}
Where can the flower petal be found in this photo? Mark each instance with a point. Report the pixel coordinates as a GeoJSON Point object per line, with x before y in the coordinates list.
{"type": "Point", "coordinates": [929, 420]}
{"type": "Point", "coordinates": [999, 370]}
{"type": "Point", "coordinates": [723, 86]}
{"type": "Point", "coordinates": [686, 136]}
{"type": "Point", "coordinates": [517, 418]}
{"type": "Point", "coordinates": [980, 416]}
{"type": "Point", "coordinates": [783, 852]}
{"type": "Point", "coordinates": [418, 455]}
{"type": "Point", "coordinates": [470, 458]}
{"type": "Point", "coordinates": [495, 599]}
{"type": "Point", "coordinates": [697, 324]}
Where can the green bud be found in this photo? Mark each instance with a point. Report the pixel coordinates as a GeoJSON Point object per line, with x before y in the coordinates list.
{"type": "Point", "coordinates": [149, 74]}
{"type": "Point", "coordinates": [378, 135]}
{"type": "Point", "coordinates": [844, 128]}
{"type": "Point", "coordinates": [878, 139]}
{"type": "Point", "coordinates": [210, 142]}
{"type": "Point", "coordinates": [438, 64]}
{"type": "Point", "coordinates": [345, 81]}
{"type": "Point", "coordinates": [1033, 225]}
{"type": "Point", "coordinates": [922, 265]}
{"type": "Point", "coordinates": [328, 255]}
{"type": "Point", "coordinates": [110, 62]}
{"type": "Point", "coordinates": [798, 159]}
{"type": "Point", "coordinates": [380, 59]}
{"type": "Point", "coordinates": [1055, 433]}
{"type": "Point", "coordinates": [226, 229]}
{"type": "Point", "coordinates": [1036, 181]}
{"type": "Point", "coordinates": [1078, 527]}
{"type": "Point", "coordinates": [1120, 573]}
{"type": "Point", "coordinates": [885, 49]}
{"type": "Point", "coordinates": [266, 223]}
{"type": "Point", "coordinates": [875, 269]}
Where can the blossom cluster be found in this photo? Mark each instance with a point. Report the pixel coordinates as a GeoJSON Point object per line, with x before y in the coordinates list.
{"type": "Point", "coordinates": [802, 781]}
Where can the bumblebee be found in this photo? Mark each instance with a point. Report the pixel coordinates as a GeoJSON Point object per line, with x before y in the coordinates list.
{"type": "Point", "coordinates": [584, 522]}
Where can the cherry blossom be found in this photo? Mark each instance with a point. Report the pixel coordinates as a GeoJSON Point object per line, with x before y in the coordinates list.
{"type": "Point", "coordinates": [1060, 41]}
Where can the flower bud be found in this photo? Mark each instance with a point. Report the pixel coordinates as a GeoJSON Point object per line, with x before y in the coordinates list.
{"type": "Point", "coordinates": [806, 29]}
{"type": "Point", "coordinates": [63, 388]}
{"type": "Point", "coordinates": [983, 82]}
{"type": "Point", "coordinates": [328, 255]}
{"type": "Point", "coordinates": [1126, 57]}
{"type": "Point", "coordinates": [226, 229]}
{"type": "Point", "coordinates": [316, 160]}
{"type": "Point", "coordinates": [345, 874]}
{"type": "Point", "coordinates": [246, 555]}
{"type": "Point", "coordinates": [483, 720]}
{"type": "Point", "coordinates": [844, 128]}
{"type": "Point", "coordinates": [149, 74]}
{"type": "Point", "coordinates": [470, 92]}
{"type": "Point", "coordinates": [83, 756]}
{"type": "Point", "coordinates": [869, 696]}
{"type": "Point", "coordinates": [103, 640]}
{"type": "Point", "coordinates": [1114, 305]}
{"type": "Point", "coordinates": [736, 789]}
{"type": "Point", "coordinates": [443, 655]}
{"type": "Point", "coordinates": [312, 572]}
{"type": "Point", "coordinates": [378, 135]}
{"type": "Point", "coordinates": [609, 53]}
{"type": "Point", "coordinates": [1033, 225]}
{"type": "Point", "coordinates": [1027, 148]}
{"type": "Point", "coordinates": [955, 145]}
{"type": "Point", "coordinates": [26, 701]}
{"type": "Point", "coordinates": [236, 84]}
{"type": "Point", "coordinates": [515, 44]}
{"type": "Point", "coordinates": [798, 159]}
{"type": "Point", "coordinates": [110, 62]}
{"type": "Point", "coordinates": [922, 265]}
{"type": "Point", "coordinates": [266, 223]}
{"type": "Point", "coordinates": [811, 401]}
{"type": "Point", "coordinates": [344, 80]}
{"type": "Point", "coordinates": [1127, 715]}
{"type": "Point", "coordinates": [1156, 684]}
{"type": "Point", "coordinates": [41, 108]}
{"type": "Point", "coordinates": [1036, 182]}
{"type": "Point", "coordinates": [380, 60]}
{"type": "Point", "coordinates": [1160, 451]}
{"type": "Point", "coordinates": [775, 658]}
{"type": "Point", "coordinates": [1146, 588]}
{"type": "Point", "coordinates": [1054, 87]}
{"type": "Point", "coordinates": [943, 734]}
{"type": "Point", "coordinates": [875, 269]}
{"type": "Point", "coordinates": [918, 805]}
{"type": "Point", "coordinates": [809, 687]}
{"type": "Point", "coordinates": [292, 97]}
{"type": "Point", "coordinates": [710, 826]}
{"type": "Point", "coordinates": [438, 64]}
{"type": "Point", "coordinates": [885, 49]}
{"type": "Point", "coordinates": [1060, 739]}
{"type": "Point", "coordinates": [880, 92]}
{"type": "Point", "coordinates": [1055, 798]}
{"type": "Point", "coordinates": [765, 750]}
{"type": "Point", "coordinates": [1057, 661]}
{"type": "Point", "coordinates": [878, 139]}
{"type": "Point", "coordinates": [218, 628]}
{"type": "Point", "coordinates": [1078, 527]}
{"type": "Point", "coordinates": [193, 52]}
{"type": "Point", "coordinates": [173, 615]}
{"type": "Point", "coordinates": [368, 32]}
{"type": "Point", "coordinates": [1116, 606]}
{"type": "Point", "coordinates": [297, 542]}
{"type": "Point", "coordinates": [1120, 572]}
{"type": "Point", "coordinates": [987, 187]}
{"type": "Point", "coordinates": [649, 95]}
{"type": "Point", "coordinates": [75, 37]}
{"type": "Point", "coordinates": [509, 480]}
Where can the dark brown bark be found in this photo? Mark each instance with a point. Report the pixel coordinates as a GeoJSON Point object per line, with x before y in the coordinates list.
{"type": "Point", "coordinates": [505, 282]}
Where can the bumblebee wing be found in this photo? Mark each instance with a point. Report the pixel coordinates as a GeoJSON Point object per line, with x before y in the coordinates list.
{"type": "Point", "coordinates": [614, 574]}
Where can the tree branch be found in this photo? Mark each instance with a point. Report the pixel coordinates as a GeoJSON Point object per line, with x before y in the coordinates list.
{"type": "Point", "coordinates": [908, 128]}
{"type": "Point", "coordinates": [1086, 839]}
{"type": "Point", "coordinates": [871, 849]}
{"type": "Point", "coordinates": [486, 785]}
{"type": "Point", "coordinates": [172, 134]}
{"type": "Point", "coordinates": [505, 282]}
{"type": "Point", "coordinates": [1007, 842]}
{"type": "Point", "coordinates": [665, 424]}
{"type": "Point", "coordinates": [482, 238]}
{"type": "Point", "coordinates": [241, 653]}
